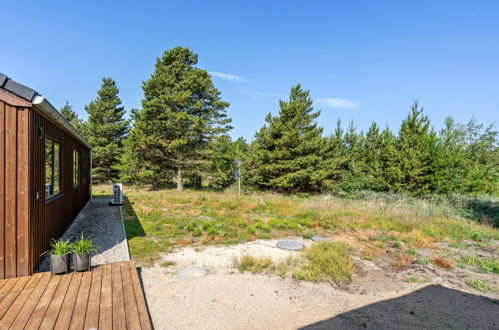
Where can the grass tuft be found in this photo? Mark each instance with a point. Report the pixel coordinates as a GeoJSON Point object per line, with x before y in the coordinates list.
{"type": "Point", "coordinates": [479, 285]}
{"type": "Point", "coordinates": [326, 262]}
{"type": "Point", "coordinates": [442, 262]}
{"type": "Point", "coordinates": [247, 263]}
{"type": "Point", "coordinates": [417, 280]}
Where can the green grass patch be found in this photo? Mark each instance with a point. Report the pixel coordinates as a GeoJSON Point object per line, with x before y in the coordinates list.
{"type": "Point", "coordinates": [423, 261]}
{"type": "Point", "coordinates": [247, 263]}
{"type": "Point", "coordinates": [479, 285]}
{"type": "Point", "coordinates": [158, 218]}
{"type": "Point", "coordinates": [417, 280]}
{"type": "Point", "coordinates": [481, 265]}
{"type": "Point", "coordinates": [166, 264]}
{"type": "Point", "coordinates": [326, 262]}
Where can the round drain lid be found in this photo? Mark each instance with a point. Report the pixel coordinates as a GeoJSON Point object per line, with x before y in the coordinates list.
{"type": "Point", "coordinates": [319, 238]}
{"type": "Point", "coordinates": [290, 245]}
{"type": "Point", "coordinates": [191, 272]}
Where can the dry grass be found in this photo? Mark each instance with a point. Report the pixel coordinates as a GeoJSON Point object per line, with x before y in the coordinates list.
{"type": "Point", "coordinates": [155, 220]}
{"type": "Point", "coordinates": [403, 261]}
{"type": "Point", "coordinates": [322, 262]}
{"type": "Point", "coordinates": [442, 262]}
{"type": "Point", "coordinates": [247, 263]}
{"type": "Point", "coordinates": [371, 252]}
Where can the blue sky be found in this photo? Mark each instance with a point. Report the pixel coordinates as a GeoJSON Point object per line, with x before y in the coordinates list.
{"type": "Point", "coordinates": [362, 60]}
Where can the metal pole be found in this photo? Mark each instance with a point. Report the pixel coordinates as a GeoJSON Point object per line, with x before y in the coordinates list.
{"type": "Point", "coordinates": [239, 186]}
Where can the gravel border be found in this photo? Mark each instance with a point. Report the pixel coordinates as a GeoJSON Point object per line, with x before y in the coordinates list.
{"type": "Point", "coordinates": [104, 224]}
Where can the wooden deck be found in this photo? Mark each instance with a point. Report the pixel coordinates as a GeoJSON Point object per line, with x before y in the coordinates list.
{"type": "Point", "coordinates": [108, 297]}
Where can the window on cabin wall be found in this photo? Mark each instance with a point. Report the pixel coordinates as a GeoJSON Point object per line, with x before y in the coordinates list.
{"type": "Point", "coordinates": [76, 168]}
{"type": "Point", "coordinates": [52, 168]}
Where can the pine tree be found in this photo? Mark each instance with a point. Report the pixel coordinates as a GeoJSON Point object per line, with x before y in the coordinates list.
{"type": "Point", "coordinates": [355, 165]}
{"type": "Point", "coordinates": [71, 116]}
{"type": "Point", "coordinates": [450, 159]}
{"type": "Point", "coordinates": [482, 150]}
{"type": "Point", "coordinates": [288, 150]}
{"type": "Point", "coordinates": [416, 147]}
{"type": "Point", "coordinates": [335, 163]}
{"type": "Point", "coordinates": [371, 152]}
{"type": "Point", "coordinates": [224, 153]}
{"type": "Point", "coordinates": [182, 113]}
{"type": "Point", "coordinates": [105, 130]}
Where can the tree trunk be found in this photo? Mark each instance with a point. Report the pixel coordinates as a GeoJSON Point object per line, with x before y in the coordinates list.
{"type": "Point", "coordinates": [180, 182]}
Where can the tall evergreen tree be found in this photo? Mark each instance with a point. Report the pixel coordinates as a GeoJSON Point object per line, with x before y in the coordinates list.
{"type": "Point", "coordinates": [289, 149]}
{"type": "Point", "coordinates": [71, 116]}
{"type": "Point", "coordinates": [371, 151]}
{"type": "Point", "coordinates": [355, 179]}
{"type": "Point", "coordinates": [482, 149]}
{"type": "Point", "coordinates": [416, 147]}
{"type": "Point", "coordinates": [105, 130]}
{"type": "Point", "coordinates": [335, 163]}
{"type": "Point", "coordinates": [182, 113]}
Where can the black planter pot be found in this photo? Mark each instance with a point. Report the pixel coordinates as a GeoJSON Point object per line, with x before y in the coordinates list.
{"type": "Point", "coordinates": [59, 264]}
{"type": "Point", "coordinates": [81, 261]}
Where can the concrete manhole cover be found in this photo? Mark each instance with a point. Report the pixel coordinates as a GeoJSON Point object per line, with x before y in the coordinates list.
{"type": "Point", "coordinates": [290, 245]}
{"type": "Point", "coordinates": [319, 238]}
{"type": "Point", "coordinates": [191, 272]}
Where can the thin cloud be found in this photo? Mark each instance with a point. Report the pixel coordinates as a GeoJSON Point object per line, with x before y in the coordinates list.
{"type": "Point", "coordinates": [333, 102]}
{"type": "Point", "coordinates": [228, 76]}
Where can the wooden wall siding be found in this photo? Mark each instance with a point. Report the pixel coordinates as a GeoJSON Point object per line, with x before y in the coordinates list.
{"type": "Point", "coordinates": [27, 223]}
{"type": "Point", "coordinates": [14, 190]}
{"type": "Point", "coordinates": [50, 219]}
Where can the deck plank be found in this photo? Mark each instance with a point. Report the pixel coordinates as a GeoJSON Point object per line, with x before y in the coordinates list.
{"type": "Point", "coordinates": [108, 297]}
{"type": "Point", "coordinates": [119, 318]}
{"type": "Point", "coordinates": [52, 313]}
{"type": "Point", "coordinates": [9, 298]}
{"type": "Point", "coordinates": [145, 322]}
{"type": "Point", "coordinates": [25, 313]}
{"type": "Point", "coordinates": [106, 303]}
{"type": "Point", "coordinates": [67, 308]}
{"type": "Point", "coordinates": [80, 309]}
{"type": "Point", "coordinates": [92, 316]}
{"type": "Point", "coordinates": [36, 317]}
{"type": "Point", "coordinates": [8, 285]}
{"type": "Point", "coordinates": [17, 304]}
{"type": "Point", "coordinates": [132, 313]}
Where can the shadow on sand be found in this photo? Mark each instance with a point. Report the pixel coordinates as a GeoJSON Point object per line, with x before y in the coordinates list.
{"type": "Point", "coordinates": [432, 307]}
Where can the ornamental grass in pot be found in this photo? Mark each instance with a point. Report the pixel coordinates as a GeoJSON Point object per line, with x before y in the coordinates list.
{"type": "Point", "coordinates": [60, 255]}
{"type": "Point", "coordinates": [82, 253]}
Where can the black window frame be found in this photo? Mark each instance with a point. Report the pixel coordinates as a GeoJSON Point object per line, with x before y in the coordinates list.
{"type": "Point", "coordinates": [59, 192]}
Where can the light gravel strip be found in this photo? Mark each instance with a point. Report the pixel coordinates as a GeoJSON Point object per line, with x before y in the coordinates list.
{"type": "Point", "coordinates": [104, 225]}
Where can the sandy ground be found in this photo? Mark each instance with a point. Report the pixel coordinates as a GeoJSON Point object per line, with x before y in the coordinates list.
{"type": "Point", "coordinates": [225, 299]}
{"type": "Point", "coordinates": [104, 225]}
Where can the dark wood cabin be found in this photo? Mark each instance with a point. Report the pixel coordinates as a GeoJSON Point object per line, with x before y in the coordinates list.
{"type": "Point", "coordinates": [44, 177]}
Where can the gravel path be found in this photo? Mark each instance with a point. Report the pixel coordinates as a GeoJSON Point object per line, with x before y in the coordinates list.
{"type": "Point", "coordinates": [103, 224]}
